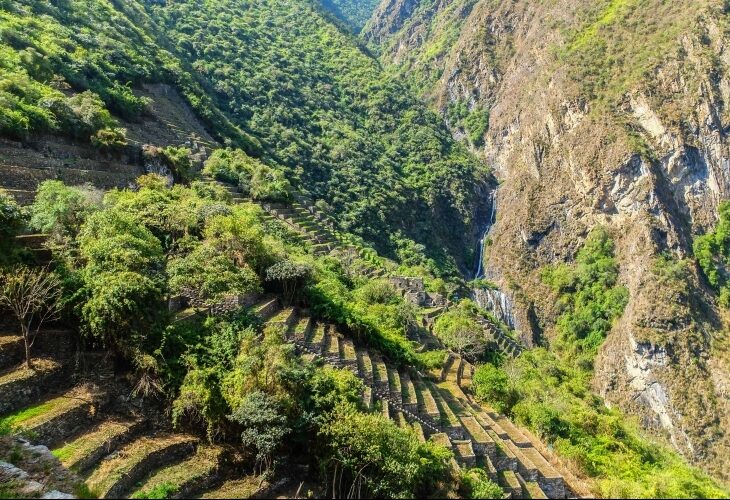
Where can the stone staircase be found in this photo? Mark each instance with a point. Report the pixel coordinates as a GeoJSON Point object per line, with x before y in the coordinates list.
{"type": "Point", "coordinates": [506, 344]}
{"type": "Point", "coordinates": [435, 405]}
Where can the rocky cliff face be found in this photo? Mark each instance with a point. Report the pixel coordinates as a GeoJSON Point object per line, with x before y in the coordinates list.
{"type": "Point", "coordinates": [600, 112]}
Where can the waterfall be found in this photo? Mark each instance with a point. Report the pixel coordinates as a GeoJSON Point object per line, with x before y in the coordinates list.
{"type": "Point", "coordinates": [480, 248]}
{"type": "Point", "coordinates": [498, 303]}
{"type": "Point", "coordinates": [493, 300]}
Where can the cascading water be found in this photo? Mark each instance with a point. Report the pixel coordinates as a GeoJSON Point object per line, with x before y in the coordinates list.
{"type": "Point", "coordinates": [493, 300]}
{"type": "Point", "coordinates": [498, 303]}
{"type": "Point", "coordinates": [479, 273]}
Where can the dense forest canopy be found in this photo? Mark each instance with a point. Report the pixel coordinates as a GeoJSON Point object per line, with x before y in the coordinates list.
{"type": "Point", "coordinates": [276, 78]}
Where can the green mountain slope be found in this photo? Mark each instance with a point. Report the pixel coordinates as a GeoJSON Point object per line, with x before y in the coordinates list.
{"type": "Point", "coordinates": [276, 78]}
{"type": "Point", "coordinates": [354, 12]}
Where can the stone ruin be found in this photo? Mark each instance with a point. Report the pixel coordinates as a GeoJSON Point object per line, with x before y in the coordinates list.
{"type": "Point", "coordinates": [414, 291]}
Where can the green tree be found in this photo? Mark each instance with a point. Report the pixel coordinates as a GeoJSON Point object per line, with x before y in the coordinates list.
{"type": "Point", "coordinates": [491, 386]}
{"type": "Point", "coordinates": [61, 210]}
{"type": "Point", "coordinates": [712, 251]}
{"type": "Point", "coordinates": [11, 223]}
{"type": "Point", "coordinates": [291, 275]}
{"type": "Point", "coordinates": [460, 332]}
{"type": "Point", "coordinates": [368, 455]}
{"type": "Point", "coordinates": [265, 426]}
{"type": "Point", "coordinates": [206, 275]}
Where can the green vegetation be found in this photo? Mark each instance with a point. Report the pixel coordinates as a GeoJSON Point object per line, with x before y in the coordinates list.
{"type": "Point", "coordinates": [459, 331]}
{"type": "Point", "coordinates": [550, 391]}
{"type": "Point", "coordinates": [11, 223]}
{"type": "Point", "coordinates": [355, 13]}
{"type": "Point", "coordinates": [59, 210]}
{"type": "Point", "coordinates": [590, 297]}
{"type": "Point", "coordinates": [119, 260]}
{"type": "Point", "coordinates": [250, 175]}
{"type": "Point", "coordinates": [712, 251]}
{"type": "Point", "coordinates": [160, 491]}
{"type": "Point", "coordinates": [277, 79]}
{"type": "Point", "coordinates": [476, 484]}
{"type": "Point", "coordinates": [474, 122]}
{"type": "Point", "coordinates": [370, 454]}
{"type": "Point", "coordinates": [372, 311]}
{"type": "Point", "coordinates": [325, 113]}
{"type": "Point", "coordinates": [610, 46]}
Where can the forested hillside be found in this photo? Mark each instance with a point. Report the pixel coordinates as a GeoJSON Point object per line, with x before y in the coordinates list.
{"type": "Point", "coordinates": [276, 78]}
{"type": "Point", "coordinates": [238, 248]}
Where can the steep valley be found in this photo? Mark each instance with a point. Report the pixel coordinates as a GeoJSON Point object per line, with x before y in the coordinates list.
{"type": "Point", "coordinates": [605, 113]}
{"type": "Point", "coordinates": [420, 248]}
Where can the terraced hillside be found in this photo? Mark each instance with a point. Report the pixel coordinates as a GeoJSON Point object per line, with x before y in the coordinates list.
{"type": "Point", "coordinates": [320, 232]}
{"type": "Point", "coordinates": [438, 404]}
{"type": "Point", "coordinates": [169, 122]}
{"type": "Point", "coordinates": [115, 443]}
{"type": "Point", "coordinates": [435, 404]}
{"type": "Point", "coordinates": [121, 448]}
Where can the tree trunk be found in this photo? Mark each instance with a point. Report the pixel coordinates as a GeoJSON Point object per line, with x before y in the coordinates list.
{"type": "Point", "coordinates": [28, 362]}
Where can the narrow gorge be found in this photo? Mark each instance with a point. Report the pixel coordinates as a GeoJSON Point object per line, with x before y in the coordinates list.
{"type": "Point", "coordinates": [364, 249]}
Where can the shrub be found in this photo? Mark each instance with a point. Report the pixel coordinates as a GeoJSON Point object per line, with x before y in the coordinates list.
{"type": "Point", "coordinates": [491, 386]}
{"type": "Point", "coordinates": [476, 484]}
{"type": "Point", "coordinates": [61, 209]}
{"type": "Point", "coordinates": [11, 223]}
{"type": "Point", "coordinates": [459, 331]}
{"type": "Point", "coordinates": [110, 138]}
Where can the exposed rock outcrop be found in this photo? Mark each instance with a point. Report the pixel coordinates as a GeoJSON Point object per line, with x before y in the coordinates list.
{"type": "Point", "coordinates": [598, 116]}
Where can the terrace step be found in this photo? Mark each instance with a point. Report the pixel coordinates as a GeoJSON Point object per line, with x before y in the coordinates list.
{"type": "Point", "coordinates": [464, 453]}
{"type": "Point", "coordinates": [26, 178]}
{"type": "Point", "coordinates": [509, 482]}
{"type": "Point", "coordinates": [365, 367]}
{"type": "Point", "coordinates": [331, 350]}
{"type": "Point", "coordinates": [549, 479]}
{"type": "Point", "coordinates": [427, 406]}
{"type": "Point", "coordinates": [482, 443]}
{"type": "Point", "coordinates": [531, 489]}
{"type": "Point", "coordinates": [247, 487]}
{"type": "Point", "coordinates": [190, 476]}
{"type": "Point", "coordinates": [395, 389]}
{"type": "Point", "coordinates": [301, 329]}
{"type": "Point", "coordinates": [12, 351]}
{"type": "Point", "coordinates": [24, 197]}
{"type": "Point", "coordinates": [282, 318]}
{"type": "Point", "coordinates": [89, 448]}
{"type": "Point", "coordinates": [21, 386]}
{"type": "Point", "coordinates": [367, 398]}
{"type": "Point", "coordinates": [409, 399]}
{"type": "Point", "coordinates": [348, 354]}
{"type": "Point", "coordinates": [117, 474]}
{"type": "Point", "coordinates": [53, 420]}
{"type": "Point", "coordinates": [266, 308]}
{"type": "Point", "coordinates": [316, 339]}
{"type": "Point", "coordinates": [380, 374]}
{"type": "Point", "coordinates": [449, 421]}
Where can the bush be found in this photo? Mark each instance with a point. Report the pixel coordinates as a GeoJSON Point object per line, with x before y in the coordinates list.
{"type": "Point", "coordinates": [372, 455]}
{"type": "Point", "coordinates": [11, 223]}
{"type": "Point", "coordinates": [61, 210]}
{"type": "Point", "coordinates": [491, 386]}
{"type": "Point", "coordinates": [208, 276]}
{"type": "Point", "coordinates": [476, 484]}
{"type": "Point", "coordinates": [712, 251]}
{"type": "Point", "coordinates": [110, 138]}
{"type": "Point", "coordinates": [459, 331]}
